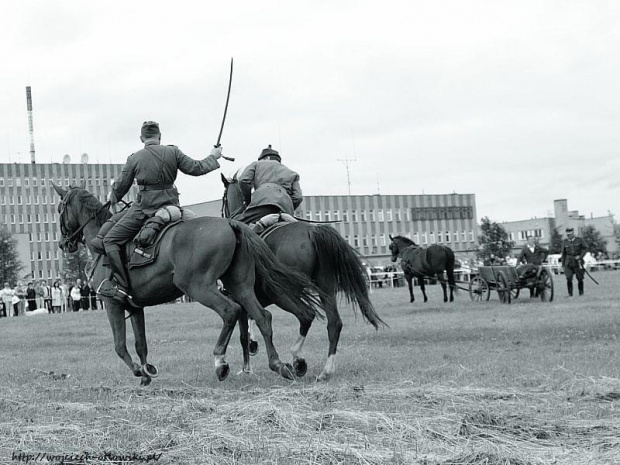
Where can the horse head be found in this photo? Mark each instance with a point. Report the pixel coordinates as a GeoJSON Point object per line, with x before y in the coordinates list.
{"type": "Point", "coordinates": [77, 208]}
{"type": "Point", "coordinates": [233, 201]}
{"type": "Point", "coordinates": [398, 245]}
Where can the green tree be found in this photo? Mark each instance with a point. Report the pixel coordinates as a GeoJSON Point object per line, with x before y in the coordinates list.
{"type": "Point", "coordinates": [594, 240]}
{"type": "Point", "coordinates": [75, 264]}
{"type": "Point", "coordinates": [555, 245]}
{"type": "Point", "coordinates": [493, 240]}
{"type": "Point", "coordinates": [10, 264]}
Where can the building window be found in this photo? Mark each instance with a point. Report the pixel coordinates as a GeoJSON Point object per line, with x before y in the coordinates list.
{"type": "Point", "coordinates": [365, 241]}
{"type": "Point", "coordinates": [374, 241]}
{"type": "Point", "coordinates": [4, 200]}
{"type": "Point", "coordinates": [52, 200]}
{"type": "Point", "coordinates": [45, 218]}
{"type": "Point", "coordinates": [336, 216]}
{"type": "Point", "coordinates": [10, 183]}
{"type": "Point", "coordinates": [40, 274]}
{"type": "Point", "coordinates": [30, 238]}
{"type": "Point", "coordinates": [345, 216]}
{"type": "Point", "coordinates": [28, 199]}
{"type": "Point", "coordinates": [471, 236]}
{"type": "Point", "coordinates": [354, 216]}
{"type": "Point", "coordinates": [371, 215]}
{"type": "Point", "coordinates": [45, 200]}
{"type": "Point", "coordinates": [309, 216]}
{"type": "Point", "coordinates": [19, 200]}
{"type": "Point", "coordinates": [98, 182]}
{"type": "Point", "coordinates": [389, 215]}
{"type": "Point", "coordinates": [18, 182]}
{"type": "Point", "coordinates": [55, 236]}
{"type": "Point", "coordinates": [463, 236]}
{"type": "Point", "coordinates": [456, 236]}
{"type": "Point", "coordinates": [439, 237]}
{"type": "Point", "coordinates": [11, 200]}
{"type": "Point", "coordinates": [432, 234]}
{"type": "Point", "coordinates": [424, 239]}
{"type": "Point", "coordinates": [512, 236]}
{"type": "Point", "coordinates": [356, 241]}
{"type": "Point", "coordinates": [26, 182]}
{"type": "Point", "coordinates": [53, 218]}
{"type": "Point", "coordinates": [36, 200]}
{"type": "Point", "coordinates": [397, 213]}
{"type": "Point", "coordinates": [12, 219]}
{"type": "Point", "coordinates": [21, 218]}
{"type": "Point", "coordinates": [383, 240]}
{"type": "Point", "coordinates": [34, 182]}
{"type": "Point", "coordinates": [318, 216]}
{"type": "Point", "coordinates": [29, 218]}
{"type": "Point", "coordinates": [416, 238]}
{"type": "Point", "coordinates": [327, 215]}
{"type": "Point", "coordinates": [363, 216]}
{"type": "Point", "coordinates": [38, 237]}
{"type": "Point", "coordinates": [42, 182]}
{"type": "Point", "coordinates": [37, 218]}
{"type": "Point", "coordinates": [39, 255]}
{"type": "Point", "coordinates": [447, 236]}
{"type": "Point", "coordinates": [1, 182]}
{"type": "Point", "coordinates": [32, 256]}
{"type": "Point", "coordinates": [47, 236]}
{"type": "Point", "coordinates": [380, 215]}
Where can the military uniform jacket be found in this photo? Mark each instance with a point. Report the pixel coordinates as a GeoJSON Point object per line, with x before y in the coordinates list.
{"type": "Point", "coordinates": [533, 258]}
{"type": "Point", "coordinates": [573, 250]}
{"type": "Point", "coordinates": [273, 183]}
{"type": "Point", "coordinates": [155, 169]}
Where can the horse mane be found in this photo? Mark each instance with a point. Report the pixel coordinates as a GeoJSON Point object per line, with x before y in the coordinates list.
{"type": "Point", "coordinates": [90, 203]}
{"type": "Point", "coordinates": [404, 239]}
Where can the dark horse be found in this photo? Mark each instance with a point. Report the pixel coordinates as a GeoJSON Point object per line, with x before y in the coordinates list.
{"type": "Point", "coordinates": [422, 263]}
{"type": "Point", "coordinates": [193, 256]}
{"type": "Point", "coordinates": [320, 253]}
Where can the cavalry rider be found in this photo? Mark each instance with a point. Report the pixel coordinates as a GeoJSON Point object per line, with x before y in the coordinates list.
{"type": "Point", "coordinates": [276, 189]}
{"type": "Point", "coordinates": [532, 256]}
{"type": "Point", "coordinates": [573, 251]}
{"type": "Point", "coordinates": [155, 169]}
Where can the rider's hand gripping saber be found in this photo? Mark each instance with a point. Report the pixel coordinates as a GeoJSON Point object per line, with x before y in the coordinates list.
{"type": "Point", "coordinates": [219, 137]}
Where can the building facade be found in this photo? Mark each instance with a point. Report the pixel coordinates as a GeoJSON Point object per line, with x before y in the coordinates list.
{"type": "Point", "coordinates": [28, 207]}
{"type": "Point", "coordinates": [367, 221]}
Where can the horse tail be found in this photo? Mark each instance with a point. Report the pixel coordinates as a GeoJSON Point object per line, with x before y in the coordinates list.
{"type": "Point", "coordinates": [341, 265]}
{"type": "Point", "coordinates": [276, 278]}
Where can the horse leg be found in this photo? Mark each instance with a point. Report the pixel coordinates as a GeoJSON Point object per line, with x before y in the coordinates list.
{"type": "Point", "coordinates": [423, 289]}
{"type": "Point", "coordinates": [409, 279]}
{"type": "Point", "coordinates": [139, 332]}
{"type": "Point", "coordinates": [445, 290]}
{"type": "Point", "coordinates": [253, 341]}
{"type": "Point", "coordinates": [244, 339]}
{"type": "Point", "coordinates": [299, 363]}
{"type": "Point", "coordinates": [334, 327]}
{"type": "Point", "coordinates": [116, 316]}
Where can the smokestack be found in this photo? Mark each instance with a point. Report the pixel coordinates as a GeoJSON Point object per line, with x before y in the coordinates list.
{"type": "Point", "coordinates": [30, 123]}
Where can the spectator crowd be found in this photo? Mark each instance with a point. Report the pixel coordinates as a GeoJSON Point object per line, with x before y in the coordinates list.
{"type": "Point", "coordinates": [40, 297]}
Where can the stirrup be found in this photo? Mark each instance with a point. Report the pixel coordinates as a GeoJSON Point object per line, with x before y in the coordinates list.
{"type": "Point", "coordinates": [111, 290]}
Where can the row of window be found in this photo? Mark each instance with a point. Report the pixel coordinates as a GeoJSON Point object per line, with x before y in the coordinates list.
{"type": "Point", "coordinates": [522, 235]}
{"type": "Point", "coordinates": [45, 235]}
{"type": "Point", "coordinates": [40, 272]}
{"type": "Point", "coordinates": [48, 255]}
{"type": "Point", "coordinates": [439, 237]}
{"type": "Point", "coordinates": [30, 200]}
{"type": "Point", "coordinates": [431, 213]}
{"type": "Point", "coordinates": [14, 219]}
{"type": "Point", "coordinates": [34, 182]}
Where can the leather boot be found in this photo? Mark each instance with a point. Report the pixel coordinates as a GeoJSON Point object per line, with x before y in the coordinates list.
{"type": "Point", "coordinates": [569, 284]}
{"type": "Point", "coordinates": [120, 290]}
{"type": "Point", "coordinates": [580, 287]}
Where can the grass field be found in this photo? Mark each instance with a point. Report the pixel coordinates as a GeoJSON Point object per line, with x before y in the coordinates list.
{"type": "Point", "coordinates": [461, 383]}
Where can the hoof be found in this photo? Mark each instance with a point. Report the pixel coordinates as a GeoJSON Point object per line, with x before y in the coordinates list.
{"type": "Point", "coordinates": [146, 380]}
{"type": "Point", "coordinates": [323, 377]}
{"type": "Point", "coordinates": [300, 366]}
{"type": "Point", "coordinates": [222, 371]}
{"type": "Point", "coordinates": [286, 371]}
{"type": "Point", "coordinates": [245, 372]}
{"type": "Point", "coordinates": [253, 348]}
{"type": "Point", "coordinates": [150, 370]}
{"type": "Point", "coordinates": [137, 370]}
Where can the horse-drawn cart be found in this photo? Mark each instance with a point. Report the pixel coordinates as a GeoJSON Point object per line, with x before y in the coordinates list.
{"type": "Point", "coordinates": [508, 283]}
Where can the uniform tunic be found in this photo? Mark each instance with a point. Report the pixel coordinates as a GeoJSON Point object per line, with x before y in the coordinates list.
{"type": "Point", "coordinates": [155, 169]}
{"type": "Point", "coordinates": [275, 187]}
{"type": "Point", "coordinates": [573, 251]}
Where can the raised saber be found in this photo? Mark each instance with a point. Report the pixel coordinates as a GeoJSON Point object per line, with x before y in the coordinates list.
{"type": "Point", "coordinates": [219, 137]}
{"type": "Point", "coordinates": [589, 275]}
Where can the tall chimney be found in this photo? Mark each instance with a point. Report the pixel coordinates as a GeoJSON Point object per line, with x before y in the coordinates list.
{"type": "Point", "coordinates": [30, 123]}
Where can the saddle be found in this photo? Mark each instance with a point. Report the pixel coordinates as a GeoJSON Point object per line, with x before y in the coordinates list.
{"type": "Point", "coordinates": [269, 223]}
{"type": "Point", "coordinates": [144, 248]}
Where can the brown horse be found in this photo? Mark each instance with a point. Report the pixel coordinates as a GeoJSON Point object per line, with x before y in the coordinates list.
{"type": "Point", "coordinates": [320, 253]}
{"type": "Point", "coordinates": [423, 263]}
{"type": "Point", "coordinates": [193, 256]}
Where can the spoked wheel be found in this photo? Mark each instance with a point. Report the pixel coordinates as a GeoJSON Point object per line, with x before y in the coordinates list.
{"type": "Point", "coordinates": [545, 286]}
{"type": "Point", "coordinates": [503, 289]}
{"type": "Point", "coordinates": [479, 289]}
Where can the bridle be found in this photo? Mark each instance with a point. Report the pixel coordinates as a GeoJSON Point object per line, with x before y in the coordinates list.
{"type": "Point", "coordinates": [225, 212]}
{"type": "Point", "coordinates": [70, 240]}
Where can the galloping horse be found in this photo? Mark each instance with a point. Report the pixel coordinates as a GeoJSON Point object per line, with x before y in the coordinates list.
{"type": "Point", "coordinates": [424, 263]}
{"type": "Point", "coordinates": [193, 256]}
{"type": "Point", "coordinates": [320, 253]}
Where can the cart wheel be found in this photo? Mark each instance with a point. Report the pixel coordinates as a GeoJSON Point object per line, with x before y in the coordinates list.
{"type": "Point", "coordinates": [479, 289]}
{"type": "Point", "coordinates": [545, 286]}
{"type": "Point", "coordinates": [503, 289]}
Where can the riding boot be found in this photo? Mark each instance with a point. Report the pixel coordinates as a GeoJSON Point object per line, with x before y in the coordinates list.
{"type": "Point", "coordinates": [120, 290]}
{"type": "Point", "coordinates": [569, 284]}
{"type": "Point", "coordinates": [580, 287]}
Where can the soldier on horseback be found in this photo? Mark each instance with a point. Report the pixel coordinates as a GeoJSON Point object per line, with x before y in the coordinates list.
{"type": "Point", "coordinates": [277, 192]}
{"type": "Point", "coordinates": [155, 168]}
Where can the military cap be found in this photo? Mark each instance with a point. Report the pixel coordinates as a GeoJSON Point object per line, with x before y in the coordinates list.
{"type": "Point", "coordinates": [269, 152]}
{"type": "Point", "coordinates": [149, 129]}
{"type": "Point", "coordinates": [570, 230]}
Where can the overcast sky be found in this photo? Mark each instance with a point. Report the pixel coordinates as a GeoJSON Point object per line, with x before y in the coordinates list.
{"type": "Point", "coordinates": [514, 101]}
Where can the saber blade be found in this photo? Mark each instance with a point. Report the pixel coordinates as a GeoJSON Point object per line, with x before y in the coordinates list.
{"type": "Point", "coordinates": [219, 137]}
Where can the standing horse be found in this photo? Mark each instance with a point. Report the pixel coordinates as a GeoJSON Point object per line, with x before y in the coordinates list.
{"type": "Point", "coordinates": [193, 256]}
{"type": "Point", "coordinates": [320, 253]}
{"type": "Point", "coordinates": [424, 263]}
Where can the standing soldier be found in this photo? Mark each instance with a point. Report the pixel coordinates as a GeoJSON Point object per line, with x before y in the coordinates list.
{"type": "Point", "coordinates": [573, 251]}
{"type": "Point", "coordinates": [276, 188]}
{"type": "Point", "coordinates": [155, 169]}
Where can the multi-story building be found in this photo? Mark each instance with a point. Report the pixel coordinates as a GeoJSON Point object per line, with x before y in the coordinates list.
{"type": "Point", "coordinates": [541, 228]}
{"type": "Point", "coordinates": [28, 207]}
{"type": "Point", "coordinates": [367, 221]}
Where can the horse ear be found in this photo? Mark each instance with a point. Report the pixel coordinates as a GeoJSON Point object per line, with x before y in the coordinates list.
{"type": "Point", "coordinates": [59, 190]}
{"type": "Point", "coordinates": [224, 180]}
{"type": "Point", "coordinates": [391, 238]}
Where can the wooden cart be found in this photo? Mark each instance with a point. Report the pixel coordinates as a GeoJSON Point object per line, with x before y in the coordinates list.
{"type": "Point", "coordinates": [508, 283]}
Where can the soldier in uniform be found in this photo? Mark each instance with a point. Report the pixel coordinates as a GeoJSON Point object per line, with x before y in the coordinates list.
{"type": "Point", "coordinates": [276, 188]}
{"type": "Point", "coordinates": [155, 168]}
{"type": "Point", "coordinates": [532, 256]}
{"type": "Point", "coordinates": [573, 251]}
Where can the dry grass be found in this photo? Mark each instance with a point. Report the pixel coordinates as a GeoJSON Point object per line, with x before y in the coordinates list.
{"type": "Point", "coordinates": [464, 384]}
